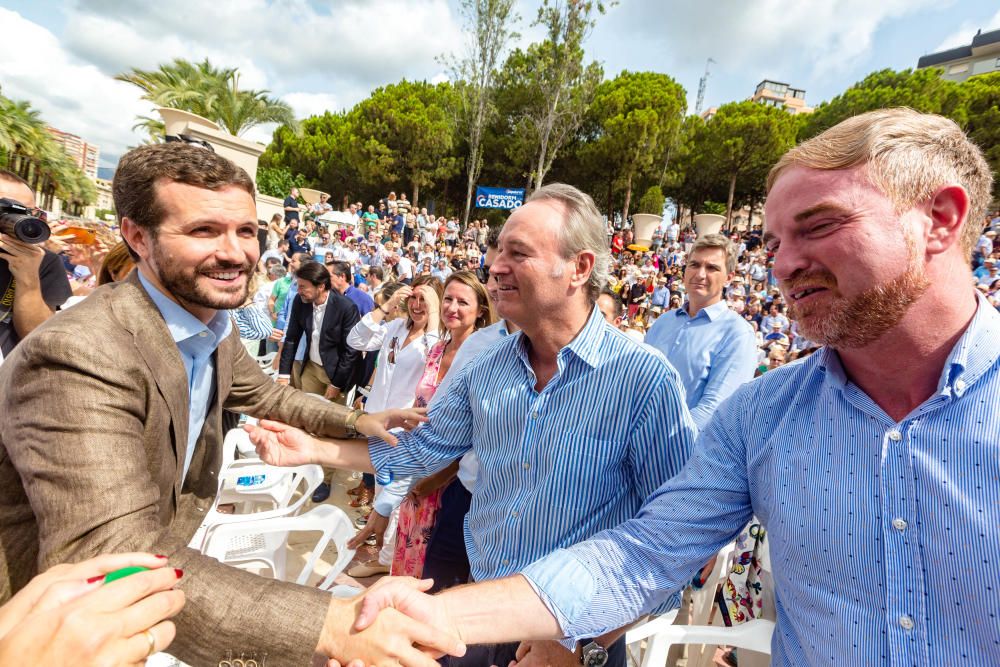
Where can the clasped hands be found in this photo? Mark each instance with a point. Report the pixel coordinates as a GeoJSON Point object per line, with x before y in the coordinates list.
{"type": "Point", "coordinates": [397, 623]}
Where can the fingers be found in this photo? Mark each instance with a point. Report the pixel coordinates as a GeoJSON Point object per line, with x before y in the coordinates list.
{"type": "Point", "coordinates": [360, 538]}
{"type": "Point", "coordinates": [152, 610]}
{"type": "Point", "coordinates": [271, 425]}
{"type": "Point", "coordinates": [125, 592]}
{"type": "Point", "coordinates": [383, 434]}
{"type": "Point", "coordinates": [138, 647]}
{"type": "Point", "coordinates": [433, 639]}
{"type": "Point", "coordinates": [522, 650]}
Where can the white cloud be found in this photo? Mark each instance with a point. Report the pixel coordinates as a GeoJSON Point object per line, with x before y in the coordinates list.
{"type": "Point", "coordinates": [766, 36]}
{"type": "Point", "coordinates": [963, 36]}
{"type": "Point", "coordinates": [72, 96]}
{"type": "Point", "coordinates": [374, 42]}
{"type": "Point", "coordinates": [312, 104]}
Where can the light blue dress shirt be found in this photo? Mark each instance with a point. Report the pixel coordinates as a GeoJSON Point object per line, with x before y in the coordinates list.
{"type": "Point", "coordinates": [558, 465]}
{"type": "Point", "coordinates": [884, 536]}
{"type": "Point", "coordinates": [714, 352]}
{"type": "Point", "coordinates": [196, 342]}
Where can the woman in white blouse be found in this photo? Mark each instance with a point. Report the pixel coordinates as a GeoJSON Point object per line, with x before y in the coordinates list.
{"type": "Point", "coordinates": [403, 335]}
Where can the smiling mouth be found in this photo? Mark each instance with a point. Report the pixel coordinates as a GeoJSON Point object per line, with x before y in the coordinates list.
{"type": "Point", "coordinates": [800, 294]}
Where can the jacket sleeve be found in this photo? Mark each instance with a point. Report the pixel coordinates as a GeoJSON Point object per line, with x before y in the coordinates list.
{"type": "Point", "coordinates": [292, 337]}
{"type": "Point", "coordinates": [87, 470]}
{"type": "Point", "coordinates": [341, 369]}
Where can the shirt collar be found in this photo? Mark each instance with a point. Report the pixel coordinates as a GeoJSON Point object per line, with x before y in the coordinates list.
{"type": "Point", "coordinates": [586, 345]}
{"type": "Point", "coordinates": [712, 312]}
{"type": "Point", "coordinates": [974, 353]}
{"type": "Point", "coordinates": [182, 324]}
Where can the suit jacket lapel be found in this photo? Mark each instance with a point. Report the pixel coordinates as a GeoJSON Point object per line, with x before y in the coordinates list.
{"type": "Point", "coordinates": [140, 316]}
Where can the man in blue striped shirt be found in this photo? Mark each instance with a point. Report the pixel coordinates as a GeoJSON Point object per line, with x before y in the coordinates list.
{"type": "Point", "coordinates": [873, 463]}
{"type": "Point", "coordinates": [574, 423]}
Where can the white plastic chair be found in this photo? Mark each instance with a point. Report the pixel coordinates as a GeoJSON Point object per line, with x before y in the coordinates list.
{"type": "Point", "coordinates": [252, 544]}
{"type": "Point", "coordinates": [660, 633]}
{"type": "Point", "coordinates": [276, 492]}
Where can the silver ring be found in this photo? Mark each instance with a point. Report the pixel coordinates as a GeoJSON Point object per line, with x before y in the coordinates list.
{"type": "Point", "coordinates": [152, 642]}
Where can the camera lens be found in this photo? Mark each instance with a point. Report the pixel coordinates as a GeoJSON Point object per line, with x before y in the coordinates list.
{"type": "Point", "coordinates": [24, 227]}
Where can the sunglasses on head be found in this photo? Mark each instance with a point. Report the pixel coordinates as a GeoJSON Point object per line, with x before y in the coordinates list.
{"type": "Point", "coordinates": [187, 139]}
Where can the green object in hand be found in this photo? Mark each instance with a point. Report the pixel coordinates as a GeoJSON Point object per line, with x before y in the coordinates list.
{"type": "Point", "coordinates": [122, 573]}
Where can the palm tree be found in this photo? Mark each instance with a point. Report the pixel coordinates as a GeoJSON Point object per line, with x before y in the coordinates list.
{"type": "Point", "coordinates": [27, 149]}
{"type": "Point", "coordinates": [208, 91]}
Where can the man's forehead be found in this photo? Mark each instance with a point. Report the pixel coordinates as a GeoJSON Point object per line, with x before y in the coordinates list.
{"type": "Point", "coordinates": [17, 191]}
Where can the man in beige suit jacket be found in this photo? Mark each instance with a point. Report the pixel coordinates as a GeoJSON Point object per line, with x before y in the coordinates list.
{"type": "Point", "coordinates": [94, 425]}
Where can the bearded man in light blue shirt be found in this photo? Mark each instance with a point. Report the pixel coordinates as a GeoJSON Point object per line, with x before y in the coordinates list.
{"type": "Point", "coordinates": [873, 463]}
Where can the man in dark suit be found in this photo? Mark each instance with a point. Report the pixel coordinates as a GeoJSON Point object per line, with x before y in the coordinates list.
{"type": "Point", "coordinates": [110, 420]}
{"type": "Point", "coordinates": [325, 317]}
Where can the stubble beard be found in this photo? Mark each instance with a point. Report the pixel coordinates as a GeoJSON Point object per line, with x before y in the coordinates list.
{"type": "Point", "coordinates": [845, 323]}
{"type": "Point", "coordinates": [184, 286]}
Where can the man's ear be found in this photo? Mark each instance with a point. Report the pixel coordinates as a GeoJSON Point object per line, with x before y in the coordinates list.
{"type": "Point", "coordinates": [583, 266]}
{"type": "Point", "coordinates": [948, 212]}
{"type": "Point", "coordinates": [138, 238]}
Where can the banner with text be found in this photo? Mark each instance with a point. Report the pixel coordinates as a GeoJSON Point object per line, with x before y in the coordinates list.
{"type": "Point", "coordinates": [508, 198]}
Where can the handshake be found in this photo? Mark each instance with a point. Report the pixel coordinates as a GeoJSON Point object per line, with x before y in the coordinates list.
{"type": "Point", "coordinates": [392, 623]}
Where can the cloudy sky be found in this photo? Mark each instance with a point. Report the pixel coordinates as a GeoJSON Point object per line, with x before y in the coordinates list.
{"type": "Point", "coordinates": [61, 55]}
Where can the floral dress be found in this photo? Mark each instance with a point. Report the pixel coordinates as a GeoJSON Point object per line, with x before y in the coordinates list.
{"type": "Point", "coordinates": [416, 520]}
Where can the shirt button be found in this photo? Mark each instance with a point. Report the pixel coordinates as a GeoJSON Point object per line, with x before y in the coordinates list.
{"type": "Point", "coordinates": [895, 435]}
{"type": "Point", "coordinates": [906, 622]}
{"type": "Point", "coordinates": [202, 334]}
{"type": "Point", "coordinates": [960, 385]}
{"type": "Point", "coordinates": [525, 465]}
{"type": "Point", "coordinates": [534, 415]}
{"type": "Point", "coordinates": [506, 562]}
{"type": "Point", "coordinates": [514, 513]}
{"type": "Point", "coordinates": [899, 524]}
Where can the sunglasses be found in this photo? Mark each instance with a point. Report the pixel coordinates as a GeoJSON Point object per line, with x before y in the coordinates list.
{"type": "Point", "coordinates": [392, 349]}
{"type": "Point", "coordinates": [187, 139]}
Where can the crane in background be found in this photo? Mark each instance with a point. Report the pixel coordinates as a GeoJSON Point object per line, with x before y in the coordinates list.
{"type": "Point", "coordinates": [701, 88]}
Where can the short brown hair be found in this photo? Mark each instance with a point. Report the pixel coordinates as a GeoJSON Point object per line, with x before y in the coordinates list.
{"type": "Point", "coordinates": [717, 241]}
{"type": "Point", "coordinates": [142, 168]}
{"type": "Point", "coordinates": [908, 155]}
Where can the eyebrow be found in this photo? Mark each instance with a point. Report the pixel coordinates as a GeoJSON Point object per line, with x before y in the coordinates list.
{"type": "Point", "coordinates": [802, 216]}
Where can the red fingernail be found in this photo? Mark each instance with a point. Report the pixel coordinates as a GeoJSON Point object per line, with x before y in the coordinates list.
{"type": "Point", "coordinates": [161, 556]}
{"type": "Point", "coordinates": [178, 572]}
{"type": "Point", "coordinates": [95, 579]}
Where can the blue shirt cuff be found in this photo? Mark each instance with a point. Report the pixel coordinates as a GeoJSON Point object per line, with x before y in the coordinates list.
{"type": "Point", "coordinates": [565, 586]}
{"type": "Point", "coordinates": [379, 451]}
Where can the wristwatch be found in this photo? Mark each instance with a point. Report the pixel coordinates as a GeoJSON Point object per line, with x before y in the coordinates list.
{"type": "Point", "coordinates": [351, 422]}
{"type": "Point", "coordinates": [593, 655]}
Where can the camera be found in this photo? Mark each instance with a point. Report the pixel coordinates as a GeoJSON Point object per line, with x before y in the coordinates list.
{"type": "Point", "coordinates": [21, 222]}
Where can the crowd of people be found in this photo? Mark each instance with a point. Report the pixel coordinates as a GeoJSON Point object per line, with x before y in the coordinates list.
{"type": "Point", "coordinates": [567, 418]}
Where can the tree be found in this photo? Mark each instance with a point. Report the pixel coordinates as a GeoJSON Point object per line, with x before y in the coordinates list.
{"type": "Point", "coordinates": [744, 140]}
{"type": "Point", "coordinates": [208, 91]}
{"type": "Point", "coordinates": [652, 201]}
{"type": "Point", "coordinates": [319, 153]}
{"type": "Point", "coordinates": [981, 109]}
{"type": "Point", "coordinates": [27, 149]}
{"type": "Point", "coordinates": [487, 25]}
{"type": "Point", "coordinates": [922, 89]}
{"type": "Point", "coordinates": [632, 120]}
{"type": "Point", "coordinates": [278, 181]}
{"type": "Point", "coordinates": [560, 86]}
{"type": "Point", "coordinates": [405, 132]}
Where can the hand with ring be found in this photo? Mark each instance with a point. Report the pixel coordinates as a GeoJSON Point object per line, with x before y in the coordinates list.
{"type": "Point", "coordinates": [68, 615]}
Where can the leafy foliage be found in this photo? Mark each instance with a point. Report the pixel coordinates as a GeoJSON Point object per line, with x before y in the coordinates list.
{"type": "Point", "coordinates": [208, 91]}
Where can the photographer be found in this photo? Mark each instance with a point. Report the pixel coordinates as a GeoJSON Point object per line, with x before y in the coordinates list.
{"type": "Point", "coordinates": [33, 282]}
